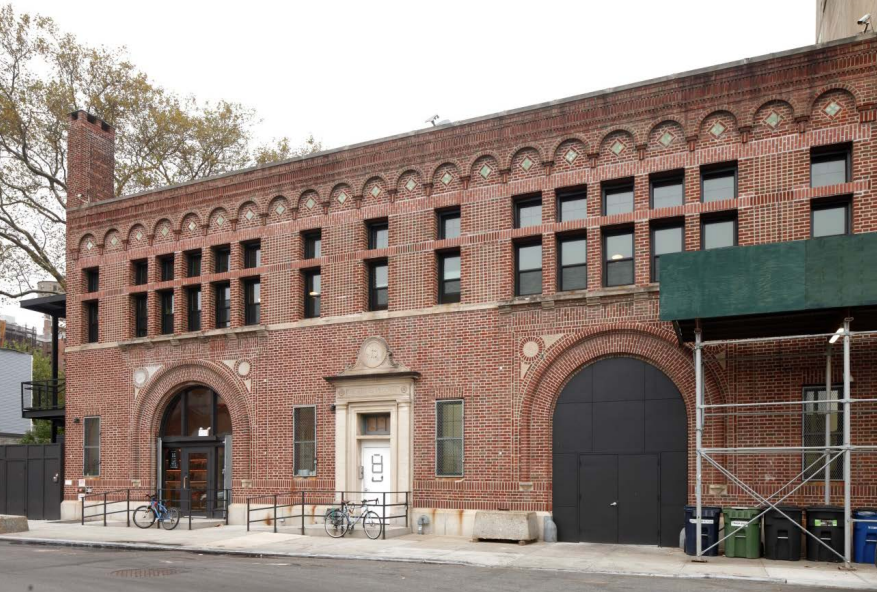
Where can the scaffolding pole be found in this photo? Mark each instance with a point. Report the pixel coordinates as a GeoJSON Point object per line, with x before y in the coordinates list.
{"type": "Point", "coordinates": [848, 533]}
{"type": "Point", "coordinates": [698, 388]}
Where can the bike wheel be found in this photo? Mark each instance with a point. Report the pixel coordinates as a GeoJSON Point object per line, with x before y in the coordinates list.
{"type": "Point", "coordinates": [144, 517]}
{"type": "Point", "coordinates": [336, 526]}
{"type": "Point", "coordinates": [171, 519]}
{"type": "Point", "coordinates": [372, 525]}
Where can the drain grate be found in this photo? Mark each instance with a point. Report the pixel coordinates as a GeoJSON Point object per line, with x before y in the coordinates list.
{"type": "Point", "coordinates": [150, 572]}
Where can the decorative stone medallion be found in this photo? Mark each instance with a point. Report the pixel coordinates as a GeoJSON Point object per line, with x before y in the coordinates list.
{"type": "Point", "coordinates": [244, 368]}
{"type": "Point", "coordinates": [666, 139]}
{"type": "Point", "coordinates": [310, 203]}
{"type": "Point", "coordinates": [530, 349]}
{"type": "Point", "coordinates": [114, 241]}
{"type": "Point", "coordinates": [165, 230]}
{"type": "Point", "coordinates": [773, 119]}
{"type": "Point", "coordinates": [526, 164]}
{"type": "Point", "coordinates": [141, 375]}
{"type": "Point", "coordinates": [280, 209]}
{"type": "Point", "coordinates": [446, 179]}
{"type": "Point", "coordinates": [342, 197]}
{"type": "Point", "coordinates": [570, 155]}
{"type": "Point", "coordinates": [220, 220]}
{"type": "Point", "coordinates": [139, 235]}
{"type": "Point", "coordinates": [89, 245]}
{"type": "Point", "coordinates": [717, 129]}
{"type": "Point", "coordinates": [249, 215]}
{"type": "Point", "coordinates": [192, 226]}
{"type": "Point", "coordinates": [410, 185]}
{"type": "Point", "coordinates": [373, 353]}
{"type": "Point", "coordinates": [485, 171]}
{"type": "Point", "coordinates": [617, 147]}
{"type": "Point", "coordinates": [376, 191]}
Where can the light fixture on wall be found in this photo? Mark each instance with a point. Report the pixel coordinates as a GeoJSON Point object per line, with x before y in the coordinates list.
{"type": "Point", "coordinates": [865, 20]}
{"type": "Point", "coordinates": [836, 335]}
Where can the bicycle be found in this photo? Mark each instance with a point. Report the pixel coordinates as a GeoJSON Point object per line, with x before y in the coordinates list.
{"type": "Point", "coordinates": [145, 516]}
{"type": "Point", "coordinates": [339, 521]}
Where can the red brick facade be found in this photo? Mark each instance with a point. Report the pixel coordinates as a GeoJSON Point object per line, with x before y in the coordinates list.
{"type": "Point", "coordinates": [472, 350]}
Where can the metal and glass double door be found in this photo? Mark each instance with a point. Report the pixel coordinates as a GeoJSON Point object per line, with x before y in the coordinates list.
{"type": "Point", "coordinates": [191, 479]}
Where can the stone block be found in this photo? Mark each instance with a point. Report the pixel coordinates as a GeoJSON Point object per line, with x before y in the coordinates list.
{"type": "Point", "coordinates": [522, 527]}
{"type": "Point", "coordinates": [10, 524]}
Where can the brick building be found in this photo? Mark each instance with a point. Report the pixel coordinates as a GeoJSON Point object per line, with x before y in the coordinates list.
{"type": "Point", "coordinates": [466, 312]}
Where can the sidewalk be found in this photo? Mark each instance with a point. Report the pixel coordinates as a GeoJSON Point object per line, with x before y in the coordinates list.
{"type": "Point", "coordinates": [572, 557]}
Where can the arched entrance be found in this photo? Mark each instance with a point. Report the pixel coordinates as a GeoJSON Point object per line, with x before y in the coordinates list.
{"type": "Point", "coordinates": [620, 455]}
{"type": "Point", "coordinates": [195, 449]}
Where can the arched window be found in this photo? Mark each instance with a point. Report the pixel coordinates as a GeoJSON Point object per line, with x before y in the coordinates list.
{"type": "Point", "coordinates": [196, 412]}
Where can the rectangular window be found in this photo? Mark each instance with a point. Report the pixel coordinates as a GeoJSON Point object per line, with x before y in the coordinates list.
{"type": "Point", "coordinates": [378, 282]}
{"type": "Point", "coordinates": [92, 280]}
{"type": "Point", "coordinates": [375, 424]}
{"type": "Point", "coordinates": [572, 203]}
{"type": "Point", "coordinates": [141, 272]}
{"type": "Point", "coordinates": [618, 259]}
{"type": "Point", "coordinates": [313, 288]}
{"type": "Point", "coordinates": [141, 316]}
{"type": "Point", "coordinates": [221, 259]}
{"type": "Point", "coordinates": [166, 302]}
{"type": "Point", "coordinates": [667, 190]}
{"type": "Point", "coordinates": [573, 263]}
{"type": "Point", "coordinates": [718, 182]}
{"type": "Point", "coordinates": [193, 308]}
{"type": "Point", "coordinates": [528, 269]}
{"type": "Point", "coordinates": [718, 233]}
{"type": "Point", "coordinates": [814, 429]}
{"type": "Point", "coordinates": [222, 298]}
{"type": "Point", "coordinates": [449, 438]}
{"type": "Point", "coordinates": [830, 219]}
{"type": "Point", "coordinates": [665, 239]}
{"type": "Point", "coordinates": [313, 242]}
{"type": "Point", "coordinates": [830, 165]}
{"type": "Point", "coordinates": [91, 316]}
{"type": "Point", "coordinates": [252, 255]}
{"type": "Point", "coordinates": [193, 263]}
{"type": "Point", "coordinates": [378, 235]}
{"type": "Point", "coordinates": [449, 277]}
{"type": "Point", "coordinates": [449, 224]}
{"type": "Point", "coordinates": [91, 446]}
{"type": "Point", "coordinates": [252, 302]}
{"type": "Point", "coordinates": [618, 198]}
{"type": "Point", "coordinates": [166, 268]}
{"type": "Point", "coordinates": [528, 212]}
{"type": "Point", "coordinates": [304, 458]}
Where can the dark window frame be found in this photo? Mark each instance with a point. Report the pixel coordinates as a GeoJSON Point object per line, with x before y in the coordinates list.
{"type": "Point", "coordinates": [252, 309]}
{"type": "Point", "coordinates": [226, 305]}
{"type": "Point", "coordinates": [92, 446]}
{"type": "Point", "coordinates": [92, 279]}
{"type": "Point", "coordinates": [829, 204]}
{"type": "Point", "coordinates": [442, 216]}
{"type": "Point", "coordinates": [373, 290]}
{"type": "Point", "coordinates": [140, 272]}
{"type": "Point", "coordinates": [820, 409]}
{"type": "Point", "coordinates": [141, 314]}
{"type": "Point", "coordinates": [720, 217]}
{"type": "Point", "coordinates": [92, 325]}
{"type": "Point", "coordinates": [166, 264]}
{"type": "Point", "coordinates": [193, 313]}
{"type": "Point", "coordinates": [312, 244]}
{"type": "Point", "coordinates": [618, 186]}
{"type": "Point", "coordinates": [374, 227]}
{"type": "Point", "coordinates": [653, 257]}
{"type": "Point", "coordinates": [252, 252]}
{"type": "Point", "coordinates": [194, 260]}
{"type": "Point", "coordinates": [561, 239]}
{"type": "Point", "coordinates": [312, 303]}
{"type": "Point", "coordinates": [296, 442]}
{"type": "Point", "coordinates": [521, 202]}
{"type": "Point", "coordinates": [445, 297]}
{"type": "Point", "coordinates": [663, 179]}
{"type": "Point", "coordinates": [604, 255]}
{"type": "Point", "coordinates": [221, 253]}
{"type": "Point", "coordinates": [825, 153]}
{"type": "Point", "coordinates": [439, 438]}
{"type": "Point", "coordinates": [573, 193]}
{"type": "Point", "coordinates": [718, 170]}
{"type": "Point", "coordinates": [518, 245]}
{"type": "Point", "coordinates": [166, 320]}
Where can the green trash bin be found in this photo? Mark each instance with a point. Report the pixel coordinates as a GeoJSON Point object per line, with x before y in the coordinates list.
{"type": "Point", "coordinates": [744, 541]}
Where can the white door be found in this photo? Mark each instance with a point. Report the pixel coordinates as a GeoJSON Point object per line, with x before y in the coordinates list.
{"type": "Point", "coordinates": [376, 478]}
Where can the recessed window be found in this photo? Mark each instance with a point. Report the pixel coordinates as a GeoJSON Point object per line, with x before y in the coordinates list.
{"type": "Point", "coordinates": [141, 315]}
{"type": "Point", "coordinates": [252, 301]}
{"type": "Point", "coordinates": [449, 277]}
{"type": "Point", "coordinates": [166, 268]}
{"type": "Point", "coordinates": [618, 258]}
{"type": "Point", "coordinates": [449, 438]}
{"type": "Point", "coordinates": [375, 424]}
{"type": "Point", "coordinates": [166, 310]}
{"type": "Point", "coordinates": [829, 219]}
{"type": "Point", "coordinates": [92, 280]}
{"type": "Point", "coordinates": [618, 198]}
{"type": "Point", "coordinates": [140, 271]}
{"type": "Point", "coordinates": [193, 308]}
{"type": "Point", "coordinates": [193, 263]}
{"type": "Point", "coordinates": [91, 446]}
{"type": "Point", "coordinates": [304, 445]}
{"type": "Point", "coordinates": [573, 263]}
{"type": "Point", "coordinates": [665, 239]}
{"type": "Point", "coordinates": [814, 429]}
{"type": "Point", "coordinates": [718, 233]}
{"type": "Point", "coordinates": [830, 165]}
{"type": "Point", "coordinates": [252, 254]}
{"type": "Point", "coordinates": [92, 322]}
{"type": "Point", "coordinates": [449, 224]}
{"type": "Point", "coordinates": [313, 290]}
{"type": "Point", "coordinates": [528, 269]}
{"type": "Point", "coordinates": [313, 243]}
{"type": "Point", "coordinates": [667, 190]}
{"type": "Point", "coordinates": [572, 203]}
{"type": "Point", "coordinates": [222, 300]}
{"type": "Point", "coordinates": [718, 182]}
{"type": "Point", "coordinates": [378, 235]}
{"type": "Point", "coordinates": [378, 282]}
{"type": "Point", "coordinates": [221, 259]}
{"type": "Point", "coordinates": [528, 212]}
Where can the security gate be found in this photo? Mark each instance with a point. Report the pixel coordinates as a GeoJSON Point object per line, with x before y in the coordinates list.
{"type": "Point", "coordinates": [31, 480]}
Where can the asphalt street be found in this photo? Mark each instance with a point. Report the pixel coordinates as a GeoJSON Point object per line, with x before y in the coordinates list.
{"type": "Point", "coordinates": [36, 568]}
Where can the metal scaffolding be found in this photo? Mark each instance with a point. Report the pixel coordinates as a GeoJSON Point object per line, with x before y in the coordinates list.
{"type": "Point", "coordinates": [830, 452]}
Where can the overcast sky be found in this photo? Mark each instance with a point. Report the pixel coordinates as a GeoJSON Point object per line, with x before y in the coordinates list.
{"type": "Point", "coordinates": [354, 71]}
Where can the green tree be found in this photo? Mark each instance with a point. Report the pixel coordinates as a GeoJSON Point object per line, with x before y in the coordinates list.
{"type": "Point", "coordinates": [161, 138]}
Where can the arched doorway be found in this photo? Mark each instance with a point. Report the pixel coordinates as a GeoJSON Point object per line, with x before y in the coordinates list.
{"type": "Point", "coordinates": [195, 448]}
{"type": "Point", "coordinates": [620, 455]}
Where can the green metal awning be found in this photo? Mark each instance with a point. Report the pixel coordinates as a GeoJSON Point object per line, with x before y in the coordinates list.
{"type": "Point", "coordinates": [774, 289]}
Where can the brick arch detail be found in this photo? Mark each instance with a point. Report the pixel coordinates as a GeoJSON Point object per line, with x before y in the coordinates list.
{"type": "Point", "coordinates": [152, 401]}
{"type": "Point", "coordinates": [650, 344]}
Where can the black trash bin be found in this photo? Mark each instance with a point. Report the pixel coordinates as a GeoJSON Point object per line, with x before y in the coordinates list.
{"type": "Point", "coordinates": [782, 539]}
{"type": "Point", "coordinates": [709, 529]}
{"type": "Point", "coordinates": [827, 524]}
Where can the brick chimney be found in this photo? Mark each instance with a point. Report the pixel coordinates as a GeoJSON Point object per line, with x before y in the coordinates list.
{"type": "Point", "coordinates": [90, 159]}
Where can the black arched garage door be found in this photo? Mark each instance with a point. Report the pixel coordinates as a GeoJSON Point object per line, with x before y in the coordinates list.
{"type": "Point", "coordinates": [620, 437]}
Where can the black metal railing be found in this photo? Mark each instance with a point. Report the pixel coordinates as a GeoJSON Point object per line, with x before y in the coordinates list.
{"type": "Point", "coordinates": [209, 503]}
{"type": "Point", "coordinates": [274, 502]}
{"type": "Point", "coordinates": [42, 395]}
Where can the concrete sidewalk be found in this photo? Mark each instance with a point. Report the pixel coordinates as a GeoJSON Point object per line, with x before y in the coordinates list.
{"type": "Point", "coordinates": [572, 557]}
